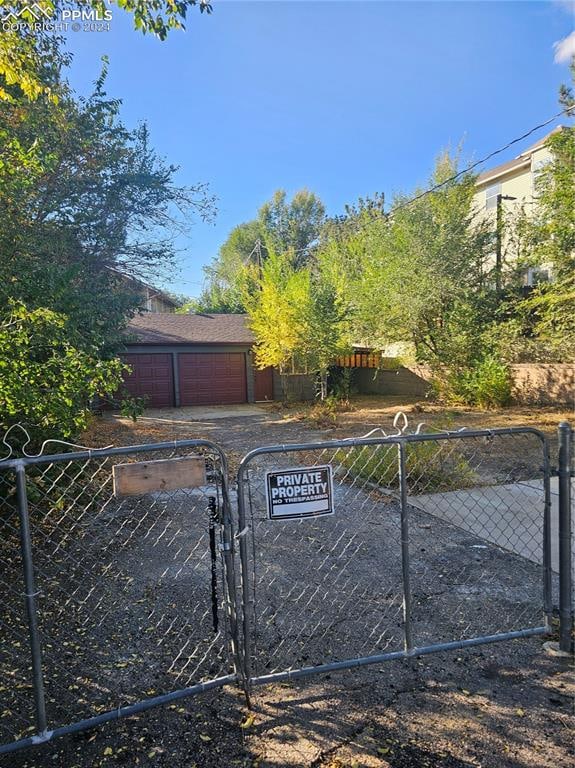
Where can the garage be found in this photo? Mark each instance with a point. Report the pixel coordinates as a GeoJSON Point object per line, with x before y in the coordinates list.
{"type": "Point", "coordinates": [151, 376]}
{"type": "Point", "coordinates": [191, 359]}
{"type": "Point", "coordinates": [212, 378]}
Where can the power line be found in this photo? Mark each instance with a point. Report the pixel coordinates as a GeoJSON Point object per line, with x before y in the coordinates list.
{"type": "Point", "coordinates": [456, 176]}
{"type": "Point", "coordinates": [483, 160]}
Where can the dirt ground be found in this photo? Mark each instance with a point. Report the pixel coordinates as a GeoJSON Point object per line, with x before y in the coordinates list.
{"type": "Point", "coordinates": [503, 705]}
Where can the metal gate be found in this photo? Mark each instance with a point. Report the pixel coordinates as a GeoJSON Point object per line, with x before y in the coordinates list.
{"type": "Point", "coordinates": [113, 594]}
{"type": "Point", "coordinates": [120, 591]}
{"type": "Point", "coordinates": [436, 542]}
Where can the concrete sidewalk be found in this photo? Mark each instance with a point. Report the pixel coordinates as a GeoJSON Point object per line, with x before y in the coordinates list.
{"type": "Point", "coordinates": [510, 516]}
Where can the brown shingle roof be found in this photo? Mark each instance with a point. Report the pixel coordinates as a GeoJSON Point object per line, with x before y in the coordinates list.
{"type": "Point", "coordinates": [160, 328]}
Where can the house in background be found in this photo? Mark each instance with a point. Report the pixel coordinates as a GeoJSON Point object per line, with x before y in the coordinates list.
{"type": "Point", "coordinates": [153, 299]}
{"type": "Point", "coordinates": [505, 190]}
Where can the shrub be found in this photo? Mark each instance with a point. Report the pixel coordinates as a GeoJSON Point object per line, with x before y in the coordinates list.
{"type": "Point", "coordinates": [132, 407]}
{"type": "Point", "coordinates": [430, 466]}
{"type": "Point", "coordinates": [341, 383]}
{"type": "Point", "coordinates": [487, 385]}
{"type": "Point", "coordinates": [46, 383]}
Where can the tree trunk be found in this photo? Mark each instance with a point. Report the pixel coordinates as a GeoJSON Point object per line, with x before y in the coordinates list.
{"type": "Point", "coordinates": [323, 384]}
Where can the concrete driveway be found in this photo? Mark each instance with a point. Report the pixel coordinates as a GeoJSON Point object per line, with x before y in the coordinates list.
{"type": "Point", "coordinates": [187, 414]}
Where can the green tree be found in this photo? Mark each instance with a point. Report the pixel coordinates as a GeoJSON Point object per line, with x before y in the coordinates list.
{"type": "Point", "coordinates": [46, 383]}
{"type": "Point", "coordinates": [426, 274]}
{"type": "Point", "coordinates": [294, 225]}
{"type": "Point", "coordinates": [323, 335]}
{"type": "Point", "coordinates": [225, 276]}
{"type": "Point", "coordinates": [552, 304]}
{"type": "Point", "coordinates": [418, 281]}
{"type": "Point", "coordinates": [84, 201]}
{"type": "Point", "coordinates": [541, 326]}
{"type": "Point", "coordinates": [282, 226]}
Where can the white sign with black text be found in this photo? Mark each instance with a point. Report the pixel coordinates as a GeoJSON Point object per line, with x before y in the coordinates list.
{"type": "Point", "coordinates": [299, 492]}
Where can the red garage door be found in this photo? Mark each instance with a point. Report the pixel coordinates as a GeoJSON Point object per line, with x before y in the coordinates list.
{"type": "Point", "coordinates": [151, 377]}
{"type": "Point", "coordinates": [208, 378]}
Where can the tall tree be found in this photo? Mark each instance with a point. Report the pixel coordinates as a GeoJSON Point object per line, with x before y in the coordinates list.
{"type": "Point", "coordinates": [281, 226]}
{"type": "Point", "coordinates": [292, 225]}
{"type": "Point", "coordinates": [277, 311]}
{"type": "Point", "coordinates": [297, 315]}
{"type": "Point", "coordinates": [225, 276]}
{"type": "Point", "coordinates": [424, 280]}
{"type": "Point", "coordinates": [84, 201]}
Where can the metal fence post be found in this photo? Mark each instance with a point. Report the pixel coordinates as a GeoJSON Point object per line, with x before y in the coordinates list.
{"type": "Point", "coordinates": [565, 586]}
{"type": "Point", "coordinates": [30, 599]}
{"type": "Point", "coordinates": [547, 543]}
{"type": "Point", "coordinates": [247, 601]}
{"type": "Point", "coordinates": [405, 547]}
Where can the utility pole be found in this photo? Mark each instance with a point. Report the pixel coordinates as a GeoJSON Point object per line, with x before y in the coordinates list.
{"type": "Point", "coordinates": [259, 257]}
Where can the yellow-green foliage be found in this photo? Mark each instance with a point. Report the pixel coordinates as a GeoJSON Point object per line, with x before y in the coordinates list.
{"type": "Point", "coordinates": [277, 310]}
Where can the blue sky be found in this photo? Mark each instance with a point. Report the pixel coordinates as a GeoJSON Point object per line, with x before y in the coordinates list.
{"type": "Point", "coordinates": [344, 98]}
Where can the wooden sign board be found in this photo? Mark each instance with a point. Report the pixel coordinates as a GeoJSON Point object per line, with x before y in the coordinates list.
{"type": "Point", "coordinates": [161, 475]}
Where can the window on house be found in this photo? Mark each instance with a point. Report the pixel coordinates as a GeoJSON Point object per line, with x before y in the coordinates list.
{"type": "Point", "coordinates": [537, 167]}
{"type": "Point", "coordinates": [535, 275]}
{"type": "Point", "coordinates": [491, 195]}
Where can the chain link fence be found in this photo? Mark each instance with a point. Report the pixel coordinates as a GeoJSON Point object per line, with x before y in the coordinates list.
{"type": "Point", "coordinates": [117, 598]}
{"type": "Point", "coordinates": [436, 540]}
{"type": "Point", "coordinates": [125, 593]}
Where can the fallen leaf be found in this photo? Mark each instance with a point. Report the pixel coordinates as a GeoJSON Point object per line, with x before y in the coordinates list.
{"type": "Point", "coordinates": [248, 722]}
{"type": "Point", "coordinates": [205, 737]}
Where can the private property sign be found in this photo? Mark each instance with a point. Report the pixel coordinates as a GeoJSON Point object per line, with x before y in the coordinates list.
{"type": "Point", "coordinates": [299, 492]}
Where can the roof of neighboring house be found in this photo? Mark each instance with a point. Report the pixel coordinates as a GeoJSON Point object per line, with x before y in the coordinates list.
{"type": "Point", "coordinates": [158, 328]}
{"type": "Point", "coordinates": [156, 292]}
{"type": "Point", "coordinates": [521, 161]}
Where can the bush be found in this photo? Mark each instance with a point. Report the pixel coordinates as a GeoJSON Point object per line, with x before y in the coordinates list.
{"type": "Point", "coordinates": [46, 384]}
{"type": "Point", "coordinates": [132, 407]}
{"type": "Point", "coordinates": [487, 385]}
{"type": "Point", "coordinates": [430, 467]}
{"type": "Point", "coordinates": [342, 383]}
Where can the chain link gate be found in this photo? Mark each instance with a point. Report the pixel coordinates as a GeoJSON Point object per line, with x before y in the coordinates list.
{"type": "Point", "coordinates": [115, 601]}
{"type": "Point", "coordinates": [436, 542]}
{"type": "Point", "coordinates": [111, 602]}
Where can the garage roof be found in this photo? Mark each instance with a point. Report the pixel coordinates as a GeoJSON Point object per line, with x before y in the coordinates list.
{"type": "Point", "coordinates": [164, 328]}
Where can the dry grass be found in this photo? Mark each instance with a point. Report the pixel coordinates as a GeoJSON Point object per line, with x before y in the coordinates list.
{"type": "Point", "coordinates": [379, 411]}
